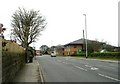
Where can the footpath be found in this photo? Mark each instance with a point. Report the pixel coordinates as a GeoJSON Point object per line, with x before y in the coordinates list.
{"type": "Point", "coordinates": [29, 73]}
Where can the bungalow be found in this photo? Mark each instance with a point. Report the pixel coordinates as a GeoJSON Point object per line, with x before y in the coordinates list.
{"type": "Point", "coordinates": [79, 46]}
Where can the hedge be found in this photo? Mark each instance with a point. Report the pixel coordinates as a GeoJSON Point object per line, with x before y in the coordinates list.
{"type": "Point", "coordinates": [107, 54]}
{"type": "Point", "coordinates": [101, 55]}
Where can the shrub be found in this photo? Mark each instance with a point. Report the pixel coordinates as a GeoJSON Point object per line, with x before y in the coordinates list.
{"type": "Point", "coordinates": [106, 55]}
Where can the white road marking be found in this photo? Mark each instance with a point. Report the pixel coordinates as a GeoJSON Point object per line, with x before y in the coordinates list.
{"type": "Point", "coordinates": [63, 62]}
{"type": "Point", "coordinates": [80, 68]}
{"type": "Point", "coordinates": [109, 77]}
{"type": "Point", "coordinates": [88, 66]}
{"type": "Point", "coordinates": [41, 75]}
{"type": "Point", "coordinates": [92, 68]}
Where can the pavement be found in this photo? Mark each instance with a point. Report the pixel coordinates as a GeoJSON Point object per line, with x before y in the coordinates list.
{"type": "Point", "coordinates": [29, 73]}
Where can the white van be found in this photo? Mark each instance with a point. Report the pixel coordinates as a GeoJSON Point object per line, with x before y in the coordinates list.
{"type": "Point", "coordinates": [53, 54]}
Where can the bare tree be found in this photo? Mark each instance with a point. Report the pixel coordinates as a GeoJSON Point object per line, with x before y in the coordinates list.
{"type": "Point", "coordinates": [27, 25]}
{"type": "Point", "coordinates": [2, 30]}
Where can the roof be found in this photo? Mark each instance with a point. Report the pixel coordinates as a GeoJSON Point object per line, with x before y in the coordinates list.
{"type": "Point", "coordinates": [81, 41]}
{"type": "Point", "coordinates": [58, 46]}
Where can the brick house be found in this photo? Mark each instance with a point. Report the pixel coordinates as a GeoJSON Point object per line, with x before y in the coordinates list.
{"type": "Point", "coordinates": [73, 47]}
{"type": "Point", "coordinates": [79, 45]}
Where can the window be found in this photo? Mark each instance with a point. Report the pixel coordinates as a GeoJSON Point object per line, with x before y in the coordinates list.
{"type": "Point", "coordinates": [75, 46]}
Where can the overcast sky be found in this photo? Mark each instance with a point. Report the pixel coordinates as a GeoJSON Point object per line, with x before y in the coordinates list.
{"type": "Point", "coordinates": [66, 21]}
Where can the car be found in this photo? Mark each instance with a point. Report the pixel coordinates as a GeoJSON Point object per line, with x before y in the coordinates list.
{"type": "Point", "coordinates": [53, 54]}
{"type": "Point", "coordinates": [103, 51]}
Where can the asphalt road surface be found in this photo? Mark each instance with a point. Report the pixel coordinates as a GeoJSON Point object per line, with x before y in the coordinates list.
{"type": "Point", "coordinates": [71, 69]}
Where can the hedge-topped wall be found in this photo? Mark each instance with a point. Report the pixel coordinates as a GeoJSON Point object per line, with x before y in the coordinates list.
{"type": "Point", "coordinates": [13, 58]}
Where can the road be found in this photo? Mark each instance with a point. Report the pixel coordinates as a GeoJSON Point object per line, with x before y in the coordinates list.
{"type": "Point", "coordinates": [71, 69]}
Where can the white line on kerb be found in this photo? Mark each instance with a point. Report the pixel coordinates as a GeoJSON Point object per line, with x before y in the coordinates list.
{"type": "Point", "coordinates": [109, 77]}
{"type": "Point", "coordinates": [80, 68]}
{"type": "Point", "coordinates": [41, 75]}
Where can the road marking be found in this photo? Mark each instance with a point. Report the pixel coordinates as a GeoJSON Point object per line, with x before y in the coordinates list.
{"type": "Point", "coordinates": [92, 68]}
{"type": "Point", "coordinates": [109, 77]}
{"type": "Point", "coordinates": [41, 75]}
{"type": "Point", "coordinates": [88, 66]}
{"type": "Point", "coordinates": [80, 68]}
{"type": "Point", "coordinates": [63, 62]}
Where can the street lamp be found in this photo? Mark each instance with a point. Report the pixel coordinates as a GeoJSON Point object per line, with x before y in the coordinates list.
{"type": "Point", "coordinates": [86, 35]}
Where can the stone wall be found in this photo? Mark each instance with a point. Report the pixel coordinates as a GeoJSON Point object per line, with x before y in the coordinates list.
{"type": "Point", "coordinates": [13, 59]}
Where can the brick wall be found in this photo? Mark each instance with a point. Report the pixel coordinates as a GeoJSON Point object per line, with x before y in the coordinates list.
{"type": "Point", "coordinates": [13, 59]}
{"type": "Point", "coordinates": [72, 49]}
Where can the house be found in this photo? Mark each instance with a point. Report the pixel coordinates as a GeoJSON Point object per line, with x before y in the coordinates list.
{"type": "Point", "coordinates": [78, 46]}
{"type": "Point", "coordinates": [44, 49]}
{"type": "Point", "coordinates": [60, 50]}
{"type": "Point", "coordinates": [116, 49]}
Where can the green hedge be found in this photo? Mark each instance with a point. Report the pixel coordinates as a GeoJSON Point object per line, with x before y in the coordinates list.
{"type": "Point", "coordinates": [80, 54]}
{"type": "Point", "coordinates": [107, 54]}
{"type": "Point", "coordinates": [100, 55]}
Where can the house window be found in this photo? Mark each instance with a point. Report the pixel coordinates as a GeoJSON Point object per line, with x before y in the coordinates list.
{"type": "Point", "coordinates": [75, 46]}
{"type": "Point", "coordinates": [75, 52]}
{"type": "Point", "coordinates": [68, 53]}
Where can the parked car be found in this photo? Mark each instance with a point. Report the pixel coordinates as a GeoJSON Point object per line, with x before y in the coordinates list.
{"type": "Point", "coordinates": [53, 54]}
{"type": "Point", "coordinates": [103, 51]}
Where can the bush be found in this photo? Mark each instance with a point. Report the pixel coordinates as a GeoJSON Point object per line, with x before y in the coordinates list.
{"type": "Point", "coordinates": [100, 55]}
{"type": "Point", "coordinates": [79, 54]}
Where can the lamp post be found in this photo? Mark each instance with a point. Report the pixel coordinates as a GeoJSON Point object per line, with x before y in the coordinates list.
{"type": "Point", "coordinates": [86, 35]}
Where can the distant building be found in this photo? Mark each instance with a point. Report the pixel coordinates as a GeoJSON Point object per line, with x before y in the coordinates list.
{"type": "Point", "coordinates": [79, 46]}
{"type": "Point", "coordinates": [60, 50]}
{"type": "Point", "coordinates": [44, 49]}
{"type": "Point", "coordinates": [37, 52]}
{"type": "Point", "coordinates": [116, 49]}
